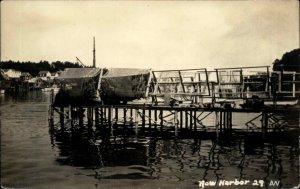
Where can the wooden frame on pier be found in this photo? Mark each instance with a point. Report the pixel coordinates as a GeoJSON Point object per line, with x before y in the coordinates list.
{"type": "Point", "coordinates": [180, 85]}
{"type": "Point", "coordinates": [286, 83]}
{"type": "Point", "coordinates": [243, 82]}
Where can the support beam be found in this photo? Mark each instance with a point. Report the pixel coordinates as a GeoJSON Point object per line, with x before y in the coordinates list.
{"type": "Point", "coordinates": [265, 123]}
{"type": "Point", "coordinates": [217, 124]}
{"type": "Point", "coordinates": [136, 119]}
{"type": "Point", "coordinates": [116, 118]}
{"type": "Point", "coordinates": [155, 119]}
{"type": "Point", "coordinates": [181, 120]}
{"type": "Point", "coordinates": [149, 116]}
{"type": "Point", "coordinates": [61, 117]}
{"type": "Point", "coordinates": [97, 116]}
{"type": "Point", "coordinates": [195, 120]}
{"type": "Point", "coordinates": [161, 117]}
{"type": "Point", "coordinates": [80, 109]}
{"type": "Point", "coordinates": [143, 118]}
{"type": "Point", "coordinates": [70, 112]}
{"type": "Point", "coordinates": [186, 119]}
{"type": "Point", "coordinates": [175, 122]}
{"type": "Point", "coordinates": [109, 117]}
{"type": "Point", "coordinates": [191, 119]}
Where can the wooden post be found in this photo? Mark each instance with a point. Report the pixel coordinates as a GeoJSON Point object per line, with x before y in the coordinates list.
{"type": "Point", "coordinates": [175, 122]}
{"type": "Point", "coordinates": [161, 120]}
{"type": "Point", "coordinates": [90, 116]}
{"type": "Point", "coordinates": [104, 115]}
{"type": "Point", "coordinates": [109, 119]}
{"type": "Point", "coordinates": [186, 119]}
{"type": "Point", "coordinates": [143, 118]}
{"type": "Point", "coordinates": [279, 81]}
{"type": "Point", "coordinates": [191, 119]}
{"type": "Point", "coordinates": [195, 120]}
{"type": "Point", "coordinates": [225, 117]}
{"type": "Point", "coordinates": [116, 117]}
{"type": "Point", "coordinates": [87, 115]}
{"type": "Point", "coordinates": [221, 122]}
{"type": "Point", "coordinates": [124, 115]}
{"type": "Point", "coordinates": [131, 118]}
{"type": "Point", "coordinates": [97, 116]}
{"type": "Point", "coordinates": [181, 119]}
{"type": "Point", "coordinates": [61, 117]}
{"type": "Point", "coordinates": [80, 116]}
{"type": "Point", "coordinates": [116, 114]}
{"type": "Point", "coordinates": [149, 115]}
{"type": "Point", "coordinates": [51, 108]}
{"type": "Point", "coordinates": [265, 123]}
{"type": "Point", "coordinates": [70, 112]}
{"type": "Point", "coordinates": [217, 123]}
{"type": "Point", "coordinates": [155, 118]}
{"type": "Point", "coordinates": [136, 120]}
{"type": "Point", "coordinates": [225, 121]}
{"type": "Point", "coordinates": [101, 116]}
{"type": "Point", "coordinates": [230, 122]}
{"type": "Point", "coordinates": [51, 115]}
{"type": "Point", "coordinates": [294, 84]}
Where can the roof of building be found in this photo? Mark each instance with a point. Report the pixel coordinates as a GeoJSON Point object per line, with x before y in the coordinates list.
{"type": "Point", "coordinates": [73, 73]}
{"type": "Point", "coordinates": [119, 72]}
{"type": "Point", "coordinates": [11, 73]}
{"type": "Point", "coordinates": [25, 74]}
{"type": "Point", "coordinates": [44, 72]}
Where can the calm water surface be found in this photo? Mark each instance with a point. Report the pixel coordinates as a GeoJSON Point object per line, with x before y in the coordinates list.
{"type": "Point", "coordinates": [36, 155]}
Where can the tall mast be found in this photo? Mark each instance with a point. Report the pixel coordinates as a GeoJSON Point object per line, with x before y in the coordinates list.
{"type": "Point", "coordinates": [94, 55]}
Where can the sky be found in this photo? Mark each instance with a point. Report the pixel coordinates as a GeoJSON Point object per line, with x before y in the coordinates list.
{"type": "Point", "coordinates": [150, 34]}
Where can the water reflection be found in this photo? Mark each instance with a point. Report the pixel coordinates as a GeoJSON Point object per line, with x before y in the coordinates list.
{"type": "Point", "coordinates": [179, 159]}
{"type": "Point", "coordinates": [36, 155]}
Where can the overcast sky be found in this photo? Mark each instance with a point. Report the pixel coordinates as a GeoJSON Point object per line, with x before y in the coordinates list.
{"type": "Point", "coordinates": [156, 34]}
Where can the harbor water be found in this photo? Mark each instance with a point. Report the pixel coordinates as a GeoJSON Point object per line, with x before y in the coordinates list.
{"type": "Point", "coordinates": [36, 155]}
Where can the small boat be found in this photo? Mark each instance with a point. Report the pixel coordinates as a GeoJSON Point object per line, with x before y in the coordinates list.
{"type": "Point", "coordinates": [78, 86]}
{"type": "Point", "coordinates": [119, 85]}
{"type": "Point", "coordinates": [84, 86]}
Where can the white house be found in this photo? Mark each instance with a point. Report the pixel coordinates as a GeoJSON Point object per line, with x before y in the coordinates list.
{"type": "Point", "coordinates": [44, 75]}
{"type": "Point", "coordinates": [25, 76]}
{"type": "Point", "coordinates": [12, 74]}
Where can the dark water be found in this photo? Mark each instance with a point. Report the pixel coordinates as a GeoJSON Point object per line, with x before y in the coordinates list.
{"type": "Point", "coordinates": [36, 155]}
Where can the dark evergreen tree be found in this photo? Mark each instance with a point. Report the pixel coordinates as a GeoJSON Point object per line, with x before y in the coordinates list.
{"type": "Point", "coordinates": [290, 61]}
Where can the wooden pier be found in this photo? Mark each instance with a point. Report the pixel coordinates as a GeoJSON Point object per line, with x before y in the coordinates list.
{"type": "Point", "coordinates": [166, 120]}
{"type": "Point", "coordinates": [175, 103]}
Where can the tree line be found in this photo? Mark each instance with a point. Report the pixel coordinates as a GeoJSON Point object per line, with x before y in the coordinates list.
{"type": "Point", "coordinates": [290, 61]}
{"type": "Point", "coordinates": [35, 67]}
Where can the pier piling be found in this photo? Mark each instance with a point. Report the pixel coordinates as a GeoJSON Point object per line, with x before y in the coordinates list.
{"type": "Point", "coordinates": [147, 119]}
